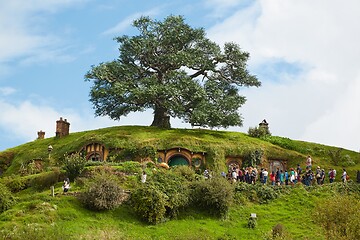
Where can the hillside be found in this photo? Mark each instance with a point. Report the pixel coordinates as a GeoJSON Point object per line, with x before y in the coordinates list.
{"type": "Point", "coordinates": [29, 209]}
{"type": "Point", "coordinates": [217, 146]}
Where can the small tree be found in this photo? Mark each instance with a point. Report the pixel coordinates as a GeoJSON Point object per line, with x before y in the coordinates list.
{"type": "Point", "coordinates": [74, 164]}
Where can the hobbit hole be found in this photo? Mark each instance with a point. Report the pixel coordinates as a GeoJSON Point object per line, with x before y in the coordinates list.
{"type": "Point", "coordinates": [95, 152]}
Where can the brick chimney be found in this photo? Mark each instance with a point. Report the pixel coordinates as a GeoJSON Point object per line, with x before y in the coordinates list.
{"type": "Point", "coordinates": [62, 128]}
{"type": "Point", "coordinates": [41, 134]}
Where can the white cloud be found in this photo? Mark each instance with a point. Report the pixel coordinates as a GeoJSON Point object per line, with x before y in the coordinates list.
{"type": "Point", "coordinates": [319, 103]}
{"type": "Point", "coordinates": [5, 91]}
{"type": "Point", "coordinates": [20, 27]}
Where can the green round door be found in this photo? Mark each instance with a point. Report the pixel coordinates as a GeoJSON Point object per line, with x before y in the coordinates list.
{"type": "Point", "coordinates": [178, 160]}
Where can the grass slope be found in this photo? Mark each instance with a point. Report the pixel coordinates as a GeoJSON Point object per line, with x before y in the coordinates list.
{"type": "Point", "coordinates": [37, 215]}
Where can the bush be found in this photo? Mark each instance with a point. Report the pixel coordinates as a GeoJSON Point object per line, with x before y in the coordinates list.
{"type": "Point", "coordinates": [258, 132]}
{"type": "Point", "coordinates": [149, 203]}
{"type": "Point", "coordinates": [185, 171]}
{"type": "Point", "coordinates": [214, 195]}
{"type": "Point", "coordinates": [46, 180]}
{"type": "Point", "coordinates": [130, 167]}
{"type": "Point", "coordinates": [6, 198]}
{"type": "Point", "coordinates": [170, 195]}
{"type": "Point", "coordinates": [102, 193]}
{"type": "Point", "coordinates": [74, 164]}
{"type": "Point", "coordinates": [260, 193]}
{"type": "Point", "coordinates": [339, 216]}
{"type": "Point", "coordinates": [16, 183]}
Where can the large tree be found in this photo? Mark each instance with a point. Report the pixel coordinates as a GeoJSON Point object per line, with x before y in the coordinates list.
{"type": "Point", "coordinates": [175, 70]}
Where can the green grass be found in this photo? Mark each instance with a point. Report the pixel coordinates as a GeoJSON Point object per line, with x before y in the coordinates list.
{"type": "Point", "coordinates": [37, 215]}
{"type": "Point", "coordinates": [293, 210]}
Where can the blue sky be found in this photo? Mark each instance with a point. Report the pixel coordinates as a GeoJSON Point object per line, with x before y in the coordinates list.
{"type": "Point", "coordinates": [305, 53]}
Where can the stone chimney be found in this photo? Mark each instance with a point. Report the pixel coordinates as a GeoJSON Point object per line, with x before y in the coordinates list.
{"type": "Point", "coordinates": [62, 128]}
{"type": "Point", "coordinates": [41, 135]}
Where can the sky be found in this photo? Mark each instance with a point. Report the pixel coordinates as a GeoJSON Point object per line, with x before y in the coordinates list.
{"type": "Point", "coordinates": [306, 54]}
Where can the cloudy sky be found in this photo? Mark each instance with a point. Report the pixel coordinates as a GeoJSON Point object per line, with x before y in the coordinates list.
{"type": "Point", "coordinates": [306, 54]}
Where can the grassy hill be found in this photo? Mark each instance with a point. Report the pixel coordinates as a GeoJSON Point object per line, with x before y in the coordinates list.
{"type": "Point", "coordinates": [38, 215]}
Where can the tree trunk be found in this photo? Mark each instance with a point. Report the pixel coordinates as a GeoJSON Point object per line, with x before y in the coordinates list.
{"type": "Point", "coordinates": [161, 119]}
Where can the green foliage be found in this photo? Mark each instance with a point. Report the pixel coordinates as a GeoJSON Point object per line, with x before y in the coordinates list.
{"type": "Point", "coordinates": [169, 194]}
{"type": "Point", "coordinates": [252, 158]}
{"type": "Point", "coordinates": [130, 167]}
{"type": "Point", "coordinates": [287, 143]}
{"type": "Point", "coordinates": [175, 186]}
{"type": "Point", "coordinates": [135, 153]}
{"type": "Point", "coordinates": [260, 193]}
{"type": "Point", "coordinates": [258, 132]}
{"type": "Point", "coordinates": [149, 202]}
{"type": "Point", "coordinates": [5, 160]}
{"type": "Point", "coordinates": [335, 156]}
{"type": "Point", "coordinates": [45, 180]}
{"type": "Point", "coordinates": [185, 171]}
{"type": "Point", "coordinates": [214, 195]}
{"type": "Point", "coordinates": [6, 198]}
{"type": "Point", "coordinates": [74, 164]}
{"type": "Point", "coordinates": [16, 183]}
{"type": "Point", "coordinates": [347, 161]}
{"type": "Point", "coordinates": [339, 216]}
{"type": "Point", "coordinates": [149, 73]}
{"type": "Point", "coordinates": [35, 231]}
{"type": "Point", "coordinates": [102, 193]}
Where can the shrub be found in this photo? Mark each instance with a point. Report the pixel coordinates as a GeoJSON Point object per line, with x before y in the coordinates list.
{"type": "Point", "coordinates": [149, 203]}
{"type": "Point", "coordinates": [339, 216]}
{"type": "Point", "coordinates": [215, 195]}
{"type": "Point", "coordinates": [175, 186]}
{"type": "Point", "coordinates": [6, 198]}
{"type": "Point", "coordinates": [186, 172]}
{"type": "Point", "coordinates": [130, 167]}
{"type": "Point", "coordinates": [102, 193]}
{"type": "Point", "coordinates": [162, 197]}
{"type": "Point", "coordinates": [74, 164]}
{"type": "Point", "coordinates": [253, 158]}
{"type": "Point", "coordinates": [258, 132]}
{"type": "Point", "coordinates": [16, 183]}
{"type": "Point", "coordinates": [260, 193]}
{"type": "Point", "coordinates": [46, 180]}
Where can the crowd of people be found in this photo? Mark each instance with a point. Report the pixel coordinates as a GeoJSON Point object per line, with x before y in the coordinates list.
{"type": "Point", "coordinates": [278, 176]}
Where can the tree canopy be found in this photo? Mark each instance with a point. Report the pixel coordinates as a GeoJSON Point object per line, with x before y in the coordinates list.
{"type": "Point", "coordinates": [175, 70]}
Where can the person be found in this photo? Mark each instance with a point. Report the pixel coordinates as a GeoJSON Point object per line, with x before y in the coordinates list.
{"type": "Point", "coordinates": [331, 175]}
{"type": "Point", "coordinates": [206, 174]}
{"type": "Point", "coordinates": [358, 176]}
{"type": "Point", "coordinates": [66, 185]}
{"type": "Point", "coordinates": [308, 161]}
{"type": "Point", "coordinates": [343, 176]}
{"type": "Point", "coordinates": [234, 175]}
{"type": "Point", "coordinates": [265, 175]}
{"type": "Point", "coordinates": [292, 176]}
{"type": "Point", "coordinates": [318, 175]}
{"type": "Point", "coordinates": [298, 173]}
{"type": "Point", "coordinates": [143, 177]}
{"type": "Point", "coordinates": [272, 178]}
{"type": "Point", "coordinates": [282, 177]}
{"type": "Point", "coordinates": [322, 174]}
{"type": "Point", "coordinates": [286, 177]}
{"type": "Point", "coordinates": [253, 175]}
